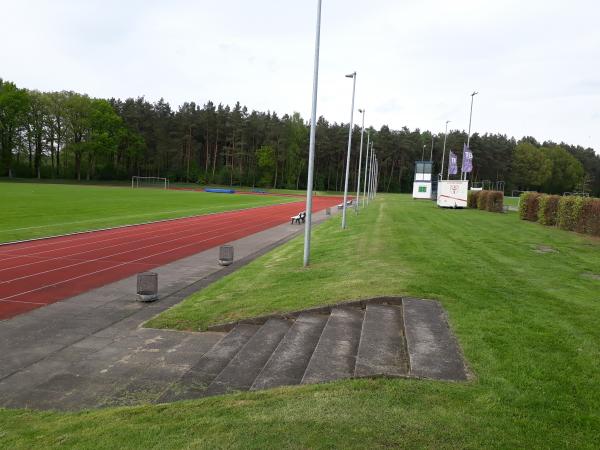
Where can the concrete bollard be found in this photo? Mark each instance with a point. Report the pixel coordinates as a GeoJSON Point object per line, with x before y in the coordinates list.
{"type": "Point", "coordinates": [226, 255]}
{"type": "Point", "coordinates": [147, 286]}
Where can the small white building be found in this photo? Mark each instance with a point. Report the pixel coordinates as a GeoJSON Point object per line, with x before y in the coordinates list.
{"type": "Point", "coordinates": [422, 187]}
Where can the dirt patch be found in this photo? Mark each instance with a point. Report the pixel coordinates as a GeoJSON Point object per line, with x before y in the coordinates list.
{"type": "Point", "coordinates": [544, 249]}
{"type": "Point", "coordinates": [593, 276]}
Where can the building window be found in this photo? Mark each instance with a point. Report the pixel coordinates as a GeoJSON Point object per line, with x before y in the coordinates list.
{"type": "Point", "coordinates": [422, 188]}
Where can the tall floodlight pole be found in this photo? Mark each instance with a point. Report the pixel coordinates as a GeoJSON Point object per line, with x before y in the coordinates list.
{"type": "Point", "coordinates": [373, 159]}
{"type": "Point", "coordinates": [353, 76]}
{"type": "Point", "coordinates": [444, 151]}
{"type": "Point", "coordinates": [366, 168]}
{"type": "Point", "coordinates": [376, 178]}
{"type": "Point", "coordinates": [362, 133]}
{"type": "Point", "coordinates": [370, 183]}
{"type": "Point", "coordinates": [431, 154]}
{"type": "Point", "coordinates": [311, 148]}
{"type": "Point", "coordinates": [470, 117]}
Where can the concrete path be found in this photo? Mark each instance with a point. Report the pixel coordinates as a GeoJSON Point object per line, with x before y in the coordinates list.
{"type": "Point", "coordinates": [89, 351]}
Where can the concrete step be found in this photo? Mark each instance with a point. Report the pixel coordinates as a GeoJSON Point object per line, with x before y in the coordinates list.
{"type": "Point", "coordinates": [195, 382]}
{"type": "Point", "coordinates": [335, 354]}
{"type": "Point", "coordinates": [288, 362]}
{"type": "Point", "coordinates": [245, 366]}
{"type": "Point", "coordinates": [433, 350]}
{"type": "Point", "coordinates": [382, 349]}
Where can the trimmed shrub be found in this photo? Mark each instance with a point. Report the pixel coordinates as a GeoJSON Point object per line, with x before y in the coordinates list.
{"type": "Point", "coordinates": [589, 219]}
{"type": "Point", "coordinates": [548, 209]}
{"type": "Point", "coordinates": [482, 200]}
{"type": "Point", "coordinates": [495, 201]}
{"type": "Point", "coordinates": [529, 205]}
{"type": "Point", "coordinates": [472, 199]}
{"type": "Point", "coordinates": [569, 212]}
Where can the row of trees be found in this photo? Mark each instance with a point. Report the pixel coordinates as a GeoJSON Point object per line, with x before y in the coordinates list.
{"type": "Point", "coordinates": [69, 135]}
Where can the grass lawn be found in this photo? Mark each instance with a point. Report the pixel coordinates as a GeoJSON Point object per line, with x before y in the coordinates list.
{"type": "Point", "coordinates": [522, 299]}
{"type": "Point", "coordinates": [31, 210]}
{"type": "Point", "coordinates": [511, 201]}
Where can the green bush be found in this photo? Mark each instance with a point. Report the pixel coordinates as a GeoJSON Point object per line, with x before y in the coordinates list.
{"type": "Point", "coordinates": [529, 205]}
{"type": "Point", "coordinates": [569, 212]}
{"type": "Point", "coordinates": [482, 200]}
{"type": "Point", "coordinates": [589, 219]}
{"type": "Point", "coordinates": [495, 201]}
{"type": "Point", "coordinates": [548, 209]}
{"type": "Point", "coordinates": [472, 199]}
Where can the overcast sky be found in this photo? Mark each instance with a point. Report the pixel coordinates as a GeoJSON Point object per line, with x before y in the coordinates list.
{"type": "Point", "coordinates": [536, 63]}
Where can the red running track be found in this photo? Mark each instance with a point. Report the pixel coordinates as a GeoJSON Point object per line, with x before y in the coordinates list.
{"type": "Point", "coordinates": [38, 273]}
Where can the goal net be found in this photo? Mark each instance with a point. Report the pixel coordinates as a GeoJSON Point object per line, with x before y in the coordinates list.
{"type": "Point", "coordinates": [149, 182]}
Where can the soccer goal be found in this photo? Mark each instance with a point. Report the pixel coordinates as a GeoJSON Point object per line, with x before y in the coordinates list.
{"type": "Point", "coordinates": [151, 182]}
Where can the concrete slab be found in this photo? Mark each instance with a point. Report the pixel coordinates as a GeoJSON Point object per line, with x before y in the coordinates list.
{"type": "Point", "coordinates": [335, 355]}
{"type": "Point", "coordinates": [288, 363]}
{"type": "Point", "coordinates": [243, 369]}
{"type": "Point", "coordinates": [432, 348]}
{"type": "Point", "coordinates": [382, 349]}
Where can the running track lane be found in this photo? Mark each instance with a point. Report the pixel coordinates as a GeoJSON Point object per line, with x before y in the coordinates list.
{"type": "Point", "coordinates": [38, 273]}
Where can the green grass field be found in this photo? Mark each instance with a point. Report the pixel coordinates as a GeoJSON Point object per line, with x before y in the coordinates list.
{"type": "Point", "coordinates": [31, 210]}
{"type": "Point", "coordinates": [522, 299]}
{"type": "Point", "coordinates": [511, 201]}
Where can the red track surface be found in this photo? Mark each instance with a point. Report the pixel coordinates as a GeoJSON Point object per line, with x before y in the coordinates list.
{"type": "Point", "coordinates": [37, 273]}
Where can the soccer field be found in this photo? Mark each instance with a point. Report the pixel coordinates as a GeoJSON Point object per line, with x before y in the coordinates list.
{"type": "Point", "coordinates": [31, 210]}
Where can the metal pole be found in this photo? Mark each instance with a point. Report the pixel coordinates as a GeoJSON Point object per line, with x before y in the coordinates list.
{"type": "Point", "coordinates": [353, 76]}
{"type": "Point", "coordinates": [373, 159]}
{"type": "Point", "coordinates": [470, 117]}
{"type": "Point", "coordinates": [423, 152]}
{"type": "Point", "coordinates": [444, 151]}
{"type": "Point", "coordinates": [431, 154]}
{"type": "Point", "coordinates": [370, 185]}
{"type": "Point", "coordinates": [377, 180]}
{"type": "Point", "coordinates": [311, 148]}
{"type": "Point", "coordinates": [362, 133]}
{"type": "Point", "coordinates": [366, 167]}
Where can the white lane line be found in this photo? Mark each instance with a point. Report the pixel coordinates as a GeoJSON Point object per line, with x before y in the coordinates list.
{"type": "Point", "coordinates": [81, 235]}
{"type": "Point", "coordinates": [154, 235]}
{"type": "Point", "coordinates": [136, 260]}
{"type": "Point", "coordinates": [24, 302]}
{"type": "Point", "coordinates": [137, 249]}
{"type": "Point", "coordinates": [114, 236]}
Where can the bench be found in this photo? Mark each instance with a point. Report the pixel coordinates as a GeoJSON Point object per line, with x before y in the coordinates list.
{"type": "Point", "coordinates": [341, 205]}
{"type": "Point", "coordinates": [300, 218]}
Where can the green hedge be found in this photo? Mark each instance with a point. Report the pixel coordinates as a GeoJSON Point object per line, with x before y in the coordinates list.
{"type": "Point", "coordinates": [472, 197]}
{"type": "Point", "coordinates": [492, 201]}
{"type": "Point", "coordinates": [548, 209]}
{"type": "Point", "coordinates": [495, 201]}
{"type": "Point", "coordinates": [482, 200]}
{"type": "Point", "coordinates": [528, 206]}
{"type": "Point", "coordinates": [568, 213]}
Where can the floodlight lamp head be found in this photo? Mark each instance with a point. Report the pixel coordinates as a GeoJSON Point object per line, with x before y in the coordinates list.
{"type": "Point", "coordinates": [351, 75]}
{"type": "Point", "coordinates": [474, 93]}
{"type": "Point", "coordinates": [361, 111]}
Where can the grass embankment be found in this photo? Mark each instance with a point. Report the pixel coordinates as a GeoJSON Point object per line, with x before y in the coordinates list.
{"type": "Point", "coordinates": [31, 210]}
{"type": "Point", "coordinates": [522, 299]}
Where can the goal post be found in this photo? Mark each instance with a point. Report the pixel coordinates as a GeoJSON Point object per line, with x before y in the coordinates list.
{"type": "Point", "coordinates": [152, 182]}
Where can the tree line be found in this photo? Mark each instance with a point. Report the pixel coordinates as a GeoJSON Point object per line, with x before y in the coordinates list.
{"type": "Point", "coordinates": [70, 135]}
